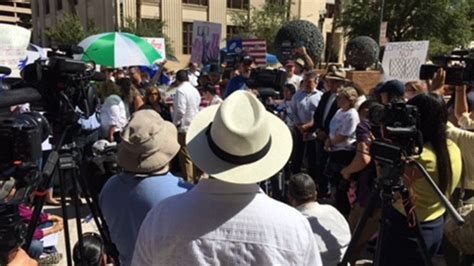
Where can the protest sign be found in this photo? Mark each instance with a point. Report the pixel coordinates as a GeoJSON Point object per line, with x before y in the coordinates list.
{"type": "Point", "coordinates": [206, 41]}
{"type": "Point", "coordinates": [13, 43]}
{"type": "Point", "coordinates": [159, 45]}
{"type": "Point", "coordinates": [402, 60]}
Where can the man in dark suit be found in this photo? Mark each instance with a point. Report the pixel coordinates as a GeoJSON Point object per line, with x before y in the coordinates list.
{"type": "Point", "coordinates": [335, 78]}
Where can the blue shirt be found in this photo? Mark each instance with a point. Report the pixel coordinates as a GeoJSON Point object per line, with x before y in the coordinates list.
{"type": "Point", "coordinates": [304, 105]}
{"type": "Point", "coordinates": [125, 201]}
{"type": "Point", "coordinates": [235, 84]}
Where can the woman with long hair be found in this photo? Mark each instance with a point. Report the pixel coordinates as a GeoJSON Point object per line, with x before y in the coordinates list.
{"type": "Point", "coordinates": [442, 160]}
{"type": "Point", "coordinates": [130, 95]}
{"type": "Point", "coordinates": [153, 100]}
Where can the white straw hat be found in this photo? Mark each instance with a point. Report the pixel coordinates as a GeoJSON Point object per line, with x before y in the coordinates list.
{"type": "Point", "coordinates": [239, 141]}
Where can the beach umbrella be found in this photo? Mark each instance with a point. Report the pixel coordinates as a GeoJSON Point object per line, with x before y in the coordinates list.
{"type": "Point", "coordinates": [118, 49]}
{"type": "Point", "coordinates": [272, 59]}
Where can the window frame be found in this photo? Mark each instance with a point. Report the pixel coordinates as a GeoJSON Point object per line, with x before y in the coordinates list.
{"type": "Point", "coordinates": [187, 37]}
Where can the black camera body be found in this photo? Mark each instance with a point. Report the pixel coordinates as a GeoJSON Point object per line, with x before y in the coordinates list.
{"type": "Point", "coordinates": [459, 67]}
{"type": "Point", "coordinates": [267, 78]}
{"type": "Point", "coordinates": [397, 123]}
{"type": "Point", "coordinates": [21, 137]}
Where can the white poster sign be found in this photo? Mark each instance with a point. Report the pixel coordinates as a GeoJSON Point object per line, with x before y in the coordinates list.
{"type": "Point", "coordinates": [159, 45]}
{"type": "Point", "coordinates": [13, 43]}
{"type": "Point", "coordinates": [402, 60]}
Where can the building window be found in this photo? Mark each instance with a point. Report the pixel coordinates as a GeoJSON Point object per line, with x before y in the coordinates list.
{"type": "Point", "coordinates": [7, 13]}
{"type": "Point", "coordinates": [187, 37]}
{"type": "Point", "coordinates": [196, 2]}
{"type": "Point", "coordinates": [232, 31]}
{"type": "Point", "coordinates": [46, 5]}
{"type": "Point", "coordinates": [59, 4]}
{"type": "Point", "coordinates": [23, 5]}
{"type": "Point", "coordinates": [238, 4]}
{"type": "Point", "coordinates": [330, 8]}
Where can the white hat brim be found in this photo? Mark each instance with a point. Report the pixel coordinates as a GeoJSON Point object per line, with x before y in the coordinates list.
{"type": "Point", "coordinates": [207, 161]}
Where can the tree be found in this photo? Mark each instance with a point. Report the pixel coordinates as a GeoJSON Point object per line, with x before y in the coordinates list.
{"type": "Point", "coordinates": [264, 22]}
{"type": "Point", "coordinates": [445, 23]}
{"type": "Point", "coordinates": [70, 31]}
{"type": "Point", "coordinates": [147, 28]}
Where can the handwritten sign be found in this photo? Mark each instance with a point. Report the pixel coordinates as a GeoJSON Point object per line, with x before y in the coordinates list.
{"type": "Point", "coordinates": [206, 41]}
{"type": "Point", "coordinates": [13, 43]}
{"type": "Point", "coordinates": [159, 45]}
{"type": "Point", "coordinates": [402, 60]}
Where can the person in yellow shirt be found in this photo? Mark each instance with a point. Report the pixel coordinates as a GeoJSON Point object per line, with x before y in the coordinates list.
{"type": "Point", "coordinates": [442, 160]}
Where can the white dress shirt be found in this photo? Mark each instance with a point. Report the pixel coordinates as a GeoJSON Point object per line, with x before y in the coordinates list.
{"type": "Point", "coordinates": [112, 113]}
{"type": "Point", "coordinates": [219, 223]}
{"type": "Point", "coordinates": [185, 105]}
{"type": "Point", "coordinates": [330, 228]}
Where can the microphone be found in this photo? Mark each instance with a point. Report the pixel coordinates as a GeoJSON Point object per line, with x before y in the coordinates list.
{"type": "Point", "coordinates": [18, 96]}
{"type": "Point", "coordinates": [5, 70]}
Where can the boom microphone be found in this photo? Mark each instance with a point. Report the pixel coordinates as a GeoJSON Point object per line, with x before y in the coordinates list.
{"type": "Point", "coordinates": [18, 96]}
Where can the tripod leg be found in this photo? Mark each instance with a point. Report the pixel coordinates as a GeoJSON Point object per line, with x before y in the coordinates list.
{"type": "Point", "coordinates": [77, 208]}
{"type": "Point", "coordinates": [416, 229]}
{"type": "Point", "coordinates": [379, 260]}
{"type": "Point", "coordinates": [99, 220]}
{"type": "Point", "coordinates": [368, 212]}
{"type": "Point", "coordinates": [65, 218]}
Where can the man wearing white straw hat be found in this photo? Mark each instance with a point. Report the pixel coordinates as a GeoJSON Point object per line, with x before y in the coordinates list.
{"type": "Point", "coordinates": [148, 145]}
{"type": "Point", "coordinates": [227, 219]}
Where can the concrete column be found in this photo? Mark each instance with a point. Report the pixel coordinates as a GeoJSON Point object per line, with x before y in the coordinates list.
{"type": "Point", "coordinates": [172, 14]}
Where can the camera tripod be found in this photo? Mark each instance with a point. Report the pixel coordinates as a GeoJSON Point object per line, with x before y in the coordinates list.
{"type": "Point", "coordinates": [387, 184]}
{"type": "Point", "coordinates": [62, 159]}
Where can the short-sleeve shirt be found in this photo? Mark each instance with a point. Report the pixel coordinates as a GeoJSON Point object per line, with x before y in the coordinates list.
{"type": "Point", "coordinates": [344, 123]}
{"type": "Point", "coordinates": [363, 131]}
{"type": "Point", "coordinates": [428, 207]}
{"type": "Point", "coordinates": [125, 201]}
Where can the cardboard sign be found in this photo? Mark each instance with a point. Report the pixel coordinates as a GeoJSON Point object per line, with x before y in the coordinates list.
{"type": "Point", "coordinates": [402, 60]}
{"type": "Point", "coordinates": [13, 43]}
{"type": "Point", "coordinates": [159, 45]}
{"type": "Point", "coordinates": [206, 41]}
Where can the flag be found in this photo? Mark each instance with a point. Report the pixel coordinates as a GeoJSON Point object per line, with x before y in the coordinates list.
{"type": "Point", "coordinates": [256, 48]}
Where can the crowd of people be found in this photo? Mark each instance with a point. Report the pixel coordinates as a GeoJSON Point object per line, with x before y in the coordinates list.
{"type": "Point", "coordinates": [191, 162]}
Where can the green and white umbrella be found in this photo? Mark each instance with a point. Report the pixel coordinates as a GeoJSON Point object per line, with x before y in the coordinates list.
{"type": "Point", "coordinates": [118, 49]}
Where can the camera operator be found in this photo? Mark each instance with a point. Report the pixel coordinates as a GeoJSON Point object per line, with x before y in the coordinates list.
{"type": "Point", "coordinates": [392, 91]}
{"type": "Point", "coordinates": [239, 82]}
{"type": "Point", "coordinates": [441, 158]}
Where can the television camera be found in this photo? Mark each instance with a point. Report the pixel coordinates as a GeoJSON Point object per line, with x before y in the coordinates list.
{"type": "Point", "coordinates": [459, 67]}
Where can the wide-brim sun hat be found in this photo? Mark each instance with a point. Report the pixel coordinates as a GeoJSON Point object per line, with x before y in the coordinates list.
{"type": "Point", "coordinates": [336, 74]}
{"type": "Point", "coordinates": [148, 143]}
{"type": "Point", "coordinates": [239, 141]}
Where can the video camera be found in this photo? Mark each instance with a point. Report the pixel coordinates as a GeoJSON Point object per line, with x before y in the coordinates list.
{"type": "Point", "coordinates": [395, 127]}
{"type": "Point", "coordinates": [459, 68]}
